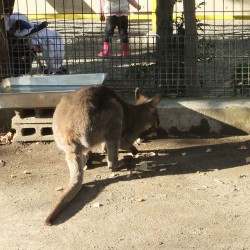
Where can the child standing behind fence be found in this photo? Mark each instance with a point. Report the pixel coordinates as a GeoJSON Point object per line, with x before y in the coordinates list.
{"type": "Point", "coordinates": [116, 12]}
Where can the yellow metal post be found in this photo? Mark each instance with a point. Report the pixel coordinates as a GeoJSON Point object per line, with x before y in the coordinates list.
{"type": "Point", "coordinates": [154, 4]}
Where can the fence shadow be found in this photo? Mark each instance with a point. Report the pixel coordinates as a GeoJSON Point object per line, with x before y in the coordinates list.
{"type": "Point", "coordinates": [197, 159]}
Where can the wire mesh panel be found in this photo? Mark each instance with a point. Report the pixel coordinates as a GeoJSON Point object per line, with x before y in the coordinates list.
{"type": "Point", "coordinates": [221, 52]}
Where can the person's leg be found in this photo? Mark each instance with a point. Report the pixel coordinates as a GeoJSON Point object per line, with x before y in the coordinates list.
{"type": "Point", "coordinates": [109, 32]}
{"type": "Point", "coordinates": [123, 31]}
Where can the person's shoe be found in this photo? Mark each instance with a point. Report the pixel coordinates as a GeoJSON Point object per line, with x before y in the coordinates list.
{"type": "Point", "coordinates": [105, 50]}
{"type": "Point", "coordinates": [125, 50]}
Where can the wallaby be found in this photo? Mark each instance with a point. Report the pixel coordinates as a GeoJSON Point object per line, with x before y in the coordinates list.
{"type": "Point", "coordinates": [94, 115]}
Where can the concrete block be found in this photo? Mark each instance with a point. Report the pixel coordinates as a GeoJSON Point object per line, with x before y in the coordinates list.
{"type": "Point", "coordinates": [33, 132]}
{"type": "Point", "coordinates": [33, 124]}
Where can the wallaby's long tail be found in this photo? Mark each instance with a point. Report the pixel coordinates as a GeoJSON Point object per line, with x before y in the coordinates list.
{"type": "Point", "coordinates": [75, 165]}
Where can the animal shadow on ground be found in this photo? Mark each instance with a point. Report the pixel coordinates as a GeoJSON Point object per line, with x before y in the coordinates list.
{"type": "Point", "coordinates": [162, 162]}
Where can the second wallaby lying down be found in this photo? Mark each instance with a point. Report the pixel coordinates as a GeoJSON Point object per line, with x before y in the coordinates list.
{"type": "Point", "coordinates": [95, 115]}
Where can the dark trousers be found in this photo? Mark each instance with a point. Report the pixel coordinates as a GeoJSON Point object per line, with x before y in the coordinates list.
{"type": "Point", "coordinates": [116, 21]}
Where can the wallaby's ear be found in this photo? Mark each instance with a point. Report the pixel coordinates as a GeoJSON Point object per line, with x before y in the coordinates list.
{"type": "Point", "coordinates": [155, 101]}
{"type": "Point", "coordinates": [139, 97]}
{"type": "Point", "coordinates": [137, 93]}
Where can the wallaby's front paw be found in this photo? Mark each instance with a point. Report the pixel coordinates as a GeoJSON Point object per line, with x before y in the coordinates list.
{"type": "Point", "coordinates": [113, 169]}
{"type": "Point", "coordinates": [134, 150]}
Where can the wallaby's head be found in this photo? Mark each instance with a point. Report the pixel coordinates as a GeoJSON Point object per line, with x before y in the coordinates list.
{"type": "Point", "coordinates": [149, 112]}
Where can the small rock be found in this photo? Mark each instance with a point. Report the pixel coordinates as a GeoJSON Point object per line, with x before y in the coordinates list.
{"type": "Point", "coordinates": [218, 181]}
{"type": "Point", "coordinates": [243, 147]}
{"type": "Point", "coordinates": [141, 199]}
{"type": "Point", "coordinates": [162, 170]}
{"type": "Point", "coordinates": [173, 163]}
{"type": "Point", "coordinates": [12, 176]}
{"type": "Point", "coordinates": [184, 154]}
{"type": "Point", "coordinates": [162, 154]}
{"type": "Point", "coordinates": [96, 205]}
{"type": "Point", "coordinates": [59, 189]}
{"type": "Point", "coordinates": [2, 163]}
{"type": "Point", "coordinates": [26, 172]}
{"type": "Point", "coordinates": [6, 139]}
{"type": "Point", "coordinates": [201, 173]}
{"type": "Point", "coordinates": [143, 166]}
{"type": "Point", "coordinates": [152, 154]}
{"type": "Point", "coordinates": [113, 175]}
{"type": "Point", "coordinates": [242, 176]}
{"type": "Point", "coordinates": [209, 150]}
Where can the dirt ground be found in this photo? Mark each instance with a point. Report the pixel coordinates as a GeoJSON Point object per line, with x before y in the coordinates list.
{"type": "Point", "coordinates": [187, 193]}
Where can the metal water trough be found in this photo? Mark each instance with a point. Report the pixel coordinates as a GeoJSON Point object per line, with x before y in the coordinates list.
{"type": "Point", "coordinates": [43, 91]}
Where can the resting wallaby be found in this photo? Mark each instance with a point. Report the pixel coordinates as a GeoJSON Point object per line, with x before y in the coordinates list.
{"type": "Point", "coordinates": [91, 116]}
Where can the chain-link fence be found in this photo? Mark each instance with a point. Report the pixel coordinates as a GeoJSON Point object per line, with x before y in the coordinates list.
{"type": "Point", "coordinates": [222, 47]}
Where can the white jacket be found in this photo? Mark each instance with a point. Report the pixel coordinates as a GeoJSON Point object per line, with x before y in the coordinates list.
{"type": "Point", "coordinates": [116, 6]}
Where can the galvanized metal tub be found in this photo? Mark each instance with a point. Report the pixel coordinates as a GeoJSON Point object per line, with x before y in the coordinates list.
{"type": "Point", "coordinates": [43, 91]}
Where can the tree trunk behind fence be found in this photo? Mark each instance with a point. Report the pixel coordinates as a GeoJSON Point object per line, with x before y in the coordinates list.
{"type": "Point", "coordinates": [164, 30]}
{"type": "Point", "coordinates": [191, 77]}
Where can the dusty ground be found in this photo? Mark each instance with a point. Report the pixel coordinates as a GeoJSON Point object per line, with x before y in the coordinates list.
{"type": "Point", "coordinates": [196, 197]}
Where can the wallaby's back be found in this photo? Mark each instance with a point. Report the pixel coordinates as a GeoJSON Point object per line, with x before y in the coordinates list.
{"type": "Point", "coordinates": [86, 115]}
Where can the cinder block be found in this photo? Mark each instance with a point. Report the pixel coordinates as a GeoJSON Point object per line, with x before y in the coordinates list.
{"type": "Point", "coordinates": [33, 125]}
{"type": "Point", "coordinates": [31, 120]}
{"type": "Point", "coordinates": [33, 132]}
{"type": "Point", "coordinates": [35, 112]}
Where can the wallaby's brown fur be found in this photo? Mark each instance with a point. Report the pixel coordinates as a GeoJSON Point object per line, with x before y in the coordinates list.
{"type": "Point", "coordinates": [91, 116]}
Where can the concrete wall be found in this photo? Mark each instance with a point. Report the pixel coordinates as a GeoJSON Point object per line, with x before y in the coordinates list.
{"type": "Point", "coordinates": [204, 117]}
{"type": "Point", "coordinates": [231, 7]}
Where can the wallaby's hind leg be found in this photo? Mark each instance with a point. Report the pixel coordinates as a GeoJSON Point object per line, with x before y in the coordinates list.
{"type": "Point", "coordinates": [113, 124]}
{"type": "Point", "coordinates": [112, 147]}
{"type": "Point", "coordinates": [75, 163]}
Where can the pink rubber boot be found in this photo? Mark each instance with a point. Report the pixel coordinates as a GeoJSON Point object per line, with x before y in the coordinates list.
{"type": "Point", "coordinates": [105, 50]}
{"type": "Point", "coordinates": [125, 50]}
